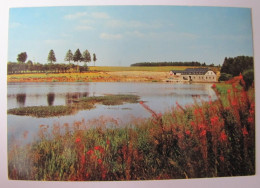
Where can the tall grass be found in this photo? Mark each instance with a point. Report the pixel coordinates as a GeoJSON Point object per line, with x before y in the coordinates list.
{"type": "Point", "coordinates": [208, 139]}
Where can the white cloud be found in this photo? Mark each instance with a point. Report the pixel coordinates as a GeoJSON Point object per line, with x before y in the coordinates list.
{"type": "Point", "coordinates": [87, 21]}
{"type": "Point", "coordinates": [136, 34]}
{"type": "Point", "coordinates": [110, 36]}
{"type": "Point", "coordinates": [101, 15]}
{"type": "Point", "coordinates": [76, 15]}
{"type": "Point", "coordinates": [15, 25]}
{"type": "Point", "coordinates": [83, 28]}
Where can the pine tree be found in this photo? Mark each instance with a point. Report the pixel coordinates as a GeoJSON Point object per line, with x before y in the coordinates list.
{"type": "Point", "coordinates": [94, 58]}
{"type": "Point", "coordinates": [86, 56]}
{"type": "Point", "coordinates": [69, 56]}
{"type": "Point", "coordinates": [51, 56]}
{"type": "Point", "coordinates": [77, 56]}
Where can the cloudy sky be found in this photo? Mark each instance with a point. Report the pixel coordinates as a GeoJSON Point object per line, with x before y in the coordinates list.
{"type": "Point", "coordinates": [122, 35]}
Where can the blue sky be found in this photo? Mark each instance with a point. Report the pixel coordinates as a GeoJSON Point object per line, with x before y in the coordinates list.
{"type": "Point", "coordinates": [122, 35]}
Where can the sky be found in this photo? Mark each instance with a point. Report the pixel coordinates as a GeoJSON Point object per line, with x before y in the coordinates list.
{"type": "Point", "coordinates": [123, 35]}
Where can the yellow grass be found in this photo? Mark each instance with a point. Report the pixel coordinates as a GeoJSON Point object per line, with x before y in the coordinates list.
{"type": "Point", "coordinates": [101, 74]}
{"type": "Point", "coordinates": [153, 69]}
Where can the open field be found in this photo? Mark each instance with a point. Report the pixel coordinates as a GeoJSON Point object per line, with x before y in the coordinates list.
{"type": "Point", "coordinates": [151, 69]}
{"type": "Point", "coordinates": [101, 74]}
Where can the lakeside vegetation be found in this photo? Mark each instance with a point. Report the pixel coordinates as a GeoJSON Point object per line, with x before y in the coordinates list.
{"type": "Point", "coordinates": [238, 65]}
{"type": "Point", "coordinates": [207, 139]}
{"type": "Point", "coordinates": [74, 106]}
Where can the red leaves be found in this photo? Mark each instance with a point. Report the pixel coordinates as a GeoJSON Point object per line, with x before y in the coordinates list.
{"type": "Point", "coordinates": [90, 152]}
{"type": "Point", "coordinates": [203, 133]}
{"type": "Point", "coordinates": [188, 132]}
{"type": "Point", "coordinates": [100, 161]}
{"type": "Point", "coordinates": [214, 120]}
{"type": "Point", "coordinates": [223, 136]}
{"type": "Point", "coordinates": [244, 131]}
{"type": "Point", "coordinates": [221, 158]}
{"type": "Point", "coordinates": [83, 159]}
{"type": "Point", "coordinates": [250, 119]}
{"type": "Point", "coordinates": [99, 148]}
{"type": "Point", "coordinates": [77, 140]}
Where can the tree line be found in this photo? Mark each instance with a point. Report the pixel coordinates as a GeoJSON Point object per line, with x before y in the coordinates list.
{"type": "Point", "coordinates": [154, 64]}
{"type": "Point", "coordinates": [234, 66]}
{"type": "Point", "coordinates": [29, 66]}
{"type": "Point", "coordinates": [21, 66]}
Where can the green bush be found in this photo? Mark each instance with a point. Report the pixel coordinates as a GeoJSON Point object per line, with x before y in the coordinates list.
{"type": "Point", "coordinates": [248, 76]}
{"type": "Point", "coordinates": [225, 77]}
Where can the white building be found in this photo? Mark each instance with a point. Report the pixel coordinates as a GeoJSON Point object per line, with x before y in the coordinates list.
{"type": "Point", "coordinates": [194, 75]}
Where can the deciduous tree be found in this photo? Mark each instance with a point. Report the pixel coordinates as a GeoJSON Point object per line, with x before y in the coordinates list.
{"type": "Point", "coordinates": [22, 57]}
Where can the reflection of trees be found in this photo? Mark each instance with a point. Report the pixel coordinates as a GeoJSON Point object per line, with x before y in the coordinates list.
{"type": "Point", "coordinates": [50, 98]}
{"type": "Point", "coordinates": [77, 95]}
{"type": "Point", "coordinates": [20, 98]}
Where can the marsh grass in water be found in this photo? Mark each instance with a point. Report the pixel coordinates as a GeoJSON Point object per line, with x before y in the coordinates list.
{"type": "Point", "coordinates": [41, 111]}
{"type": "Point", "coordinates": [75, 105]}
{"type": "Point", "coordinates": [207, 139]}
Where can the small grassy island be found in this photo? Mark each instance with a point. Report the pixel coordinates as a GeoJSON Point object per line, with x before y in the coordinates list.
{"type": "Point", "coordinates": [74, 106]}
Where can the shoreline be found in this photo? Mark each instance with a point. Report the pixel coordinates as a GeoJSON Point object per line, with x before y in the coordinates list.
{"type": "Point", "coordinates": [97, 76]}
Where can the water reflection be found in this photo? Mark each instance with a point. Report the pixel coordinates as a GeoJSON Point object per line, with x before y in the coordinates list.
{"type": "Point", "coordinates": [70, 97]}
{"type": "Point", "coordinates": [20, 99]}
{"type": "Point", "coordinates": [50, 98]}
{"type": "Point", "coordinates": [160, 97]}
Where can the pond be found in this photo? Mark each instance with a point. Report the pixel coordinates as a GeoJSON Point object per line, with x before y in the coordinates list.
{"type": "Point", "coordinates": [160, 97]}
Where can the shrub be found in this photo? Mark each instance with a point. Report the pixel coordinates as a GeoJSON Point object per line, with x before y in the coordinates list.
{"type": "Point", "coordinates": [225, 77]}
{"type": "Point", "coordinates": [248, 76]}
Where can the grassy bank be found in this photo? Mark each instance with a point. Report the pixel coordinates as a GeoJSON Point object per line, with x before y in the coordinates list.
{"type": "Point", "coordinates": [102, 74]}
{"type": "Point", "coordinates": [208, 139]}
{"type": "Point", "coordinates": [74, 106]}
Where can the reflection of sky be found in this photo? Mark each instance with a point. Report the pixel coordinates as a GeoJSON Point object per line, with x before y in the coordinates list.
{"type": "Point", "coordinates": [160, 97]}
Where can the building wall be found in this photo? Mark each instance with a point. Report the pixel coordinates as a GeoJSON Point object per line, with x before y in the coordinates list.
{"type": "Point", "coordinates": [210, 76]}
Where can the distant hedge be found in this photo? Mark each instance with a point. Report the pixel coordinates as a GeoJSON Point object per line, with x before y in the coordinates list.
{"type": "Point", "coordinates": [148, 64]}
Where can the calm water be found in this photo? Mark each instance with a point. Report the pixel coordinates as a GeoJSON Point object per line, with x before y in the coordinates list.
{"type": "Point", "coordinates": [158, 96]}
